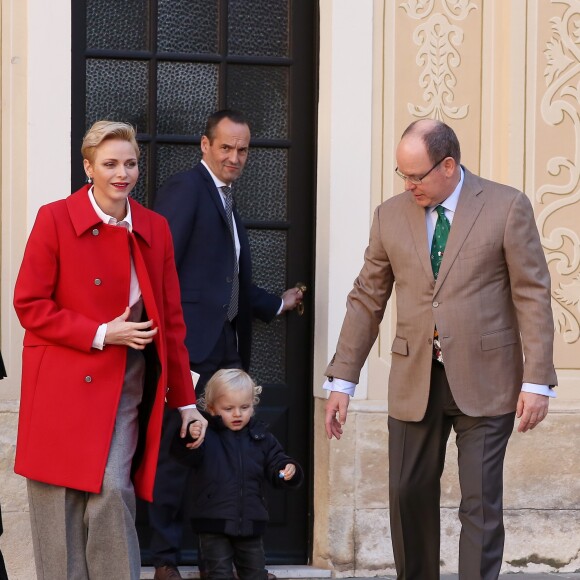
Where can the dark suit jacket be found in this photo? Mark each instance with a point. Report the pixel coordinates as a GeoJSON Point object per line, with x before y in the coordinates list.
{"type": "Point", "coordinates": [204, 254]}
{"type": "Point", "coordinates": [490, 301]}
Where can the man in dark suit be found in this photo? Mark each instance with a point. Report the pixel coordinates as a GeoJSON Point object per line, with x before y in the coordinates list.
{"type": "Point", "coordinates": [473, 293]}
{"type": "Point", "coordinates": [213, 260]}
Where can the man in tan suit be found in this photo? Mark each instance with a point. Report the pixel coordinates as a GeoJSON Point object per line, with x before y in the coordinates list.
{"type": "Point", "coordinates": [465, 315]}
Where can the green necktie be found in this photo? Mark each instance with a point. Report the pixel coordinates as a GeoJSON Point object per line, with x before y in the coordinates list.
{"type": "Point", "coordinates": [440, 236]}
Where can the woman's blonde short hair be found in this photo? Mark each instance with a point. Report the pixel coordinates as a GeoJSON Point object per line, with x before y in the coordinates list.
{"type": "Point", "coordinates": [104, 130]}
{"type": "Point", "coordinates": [228, 380]}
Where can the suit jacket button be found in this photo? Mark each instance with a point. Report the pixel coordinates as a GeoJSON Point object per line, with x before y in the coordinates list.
{"type": "Point", "coordinates": [97, 281]}
{"type": "Point", "coordinates": [228, 280]}
{"type": "Point", "coordinates": [435, 304]}
{"type": "Point", "coordinates": [88, 379]}
{"type": "Point", "coordinates": [430, 341]}
{"type": "Point", "coordinates": [95, 232]}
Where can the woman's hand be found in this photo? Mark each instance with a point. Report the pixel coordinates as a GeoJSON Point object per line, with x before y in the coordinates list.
{"type": "Point", "coordinates": [194, 433]}
{"type": "Point", "coordinates": [136, 335]}
{"type": "Point", "coordinates": [187, 416]}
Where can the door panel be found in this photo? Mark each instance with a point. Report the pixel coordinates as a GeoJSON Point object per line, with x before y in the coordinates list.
{"type": "Point", "coordinates": [164, 66]}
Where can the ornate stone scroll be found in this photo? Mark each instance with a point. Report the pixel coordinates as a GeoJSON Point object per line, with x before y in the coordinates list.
{"type": "Point", "coordinates": [560, 106]}
{"type": "Point", "coordinates": [439, 38]}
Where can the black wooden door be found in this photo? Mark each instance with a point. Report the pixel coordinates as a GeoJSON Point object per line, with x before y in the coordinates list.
{"type": "Point", "coordinates": [164, 66]}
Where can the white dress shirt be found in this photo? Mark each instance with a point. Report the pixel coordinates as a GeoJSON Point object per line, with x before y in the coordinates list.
{"type": "Point", "coordinates": [134, 289]}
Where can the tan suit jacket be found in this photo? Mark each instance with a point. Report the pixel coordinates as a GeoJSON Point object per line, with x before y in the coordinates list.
{"type": "Point", "coordinates": [491, 302]}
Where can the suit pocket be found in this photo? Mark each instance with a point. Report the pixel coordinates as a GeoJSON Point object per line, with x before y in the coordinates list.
{"type": "Point", "coordinates": [475, 250]}
{"type": "Point", "coordinates": [190, 295]}
{"type": "Point", "coordinates": [498, 339]}
{"type": "Point", "coordinates": [400, 346]}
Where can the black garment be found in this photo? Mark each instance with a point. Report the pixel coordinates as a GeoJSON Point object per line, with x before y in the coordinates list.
{"type": "Point", "coordinates": [3, 574]}
{"type": "Point", "coordinates": [246, 554]}
{"type": "Point", "coordinates": [204, 256]}
{"type": "Point", "coordinates": [2, 368]}
{"type": "Point", "coordinates": [231, 469]}
{"type": "Point", "coordinates": [166, 516]}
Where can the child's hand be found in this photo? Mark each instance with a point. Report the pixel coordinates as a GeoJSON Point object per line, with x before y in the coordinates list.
{"type": "Point", "coordinates": [288, 472]}
{"type": "Point", "coordinates": [194, 433]}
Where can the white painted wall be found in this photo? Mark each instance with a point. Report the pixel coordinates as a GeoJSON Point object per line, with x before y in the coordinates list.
{"type": "Point", "coordinates": [49, 103]}
{"type": "Point", "coordinates": [36, 105]}
{"type": "Point", "coordinates": [344, 167]}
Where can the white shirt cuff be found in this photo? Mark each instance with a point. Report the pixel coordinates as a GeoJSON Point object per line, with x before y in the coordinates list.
{"type": "Point", "coordinates": [280, 309]}
{"type": "Point", "coordinates": [194, 378]}
{"type": "Point", "coordinates": [339, 385]}
{"type": "Point", "coordinates": [192, 406]}
{"type": "Point", "coordinates": [539, 390]}
{"type": "Point", "coordinates": [99, 340]}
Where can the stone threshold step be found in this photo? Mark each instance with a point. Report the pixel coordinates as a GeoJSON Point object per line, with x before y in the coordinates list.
{"type": "Point", "coordinates": [282, 572]}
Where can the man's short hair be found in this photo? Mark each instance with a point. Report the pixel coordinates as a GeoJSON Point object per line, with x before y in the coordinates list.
{"type": "Point", "coordinates": [214, 119]}
{"type": "Point", "coordinates": [439, 138]}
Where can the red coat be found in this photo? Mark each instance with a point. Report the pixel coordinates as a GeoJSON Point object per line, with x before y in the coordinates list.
{"type": "Point", "coordinates": [75, 275]}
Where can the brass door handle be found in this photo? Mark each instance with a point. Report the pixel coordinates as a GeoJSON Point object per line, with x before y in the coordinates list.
{"type": "Point", "coordinates": [300, 306]}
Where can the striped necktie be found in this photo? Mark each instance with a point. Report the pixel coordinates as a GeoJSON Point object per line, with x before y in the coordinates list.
{"type": "Point", "coordinates": [234, 298]}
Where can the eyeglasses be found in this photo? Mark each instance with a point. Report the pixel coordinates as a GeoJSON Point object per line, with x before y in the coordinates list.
{"type": "Point", "coordinates": [418, 180]}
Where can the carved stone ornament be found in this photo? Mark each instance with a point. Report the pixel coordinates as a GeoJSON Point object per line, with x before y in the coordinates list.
{"type": "Point", "coordinates": [438, 37]}
{"type": "Point", "coordinates": [561, 104]}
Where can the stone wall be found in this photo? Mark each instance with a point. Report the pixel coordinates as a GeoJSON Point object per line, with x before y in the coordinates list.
{"type": "Point", "coordinates": [506, 77]}
{"type": "Point", "coordinates": [542, 497]}
{"type": "Point", "coordinates": [16, 542]}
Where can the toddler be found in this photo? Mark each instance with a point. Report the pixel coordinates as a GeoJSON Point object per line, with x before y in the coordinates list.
{"type": "Point", "coordinates": [237, 457]}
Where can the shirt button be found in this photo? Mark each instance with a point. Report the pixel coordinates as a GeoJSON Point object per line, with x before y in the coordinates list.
{"type": "Point", "coordinates": [88, 379]}
{"type": "Point", "coordinates": [95, 232]}
{"type": "Point", "coordinates": [435, 304]}
{"type": "Point", "coordinates": [97, 281]}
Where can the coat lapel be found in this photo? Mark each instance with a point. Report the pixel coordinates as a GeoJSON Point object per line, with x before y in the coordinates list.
{"type": "Point", "coordinates": [141, 222]}
{"type": "Point", "coordinates": [468, 208]}
{"type": "Point", "coordinates": [81, 211]}
{"type": "Point", "coordinates": [416, 217]}
{"type": "Point", "coordinates": [214, 193]}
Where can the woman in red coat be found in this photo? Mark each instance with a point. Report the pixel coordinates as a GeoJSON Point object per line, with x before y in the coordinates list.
{"type": "Point", "coordinates": [98, 296]}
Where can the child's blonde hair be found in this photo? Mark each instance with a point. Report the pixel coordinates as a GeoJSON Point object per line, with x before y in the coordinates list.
{"type": "Point", "coordinates": [228, 380]}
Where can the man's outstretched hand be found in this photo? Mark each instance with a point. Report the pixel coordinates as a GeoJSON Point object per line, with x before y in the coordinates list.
{"type": "Point", "coordinates": [336, 410]}
{"type": "Point", "coordinates": [531, 410]}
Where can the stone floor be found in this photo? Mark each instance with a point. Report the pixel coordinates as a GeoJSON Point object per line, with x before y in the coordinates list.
{"type": "Point", "coordinates": [281, 572]}
{"type": "Point", "coordinates": [522, 576]}
{"type": "Point", "coordinates": [310, 573]}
